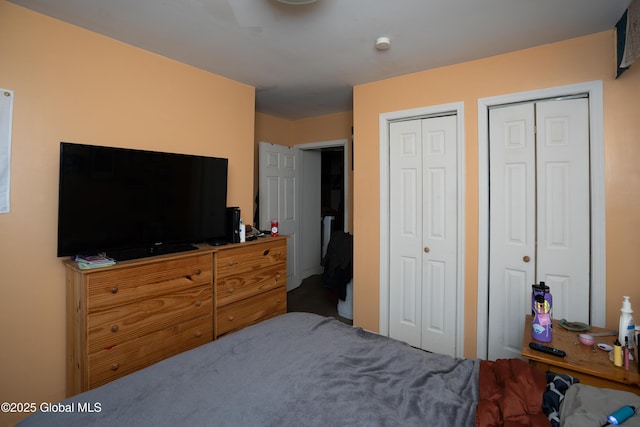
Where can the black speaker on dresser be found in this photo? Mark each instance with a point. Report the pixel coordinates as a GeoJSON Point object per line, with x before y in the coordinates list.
{"type": "Point", "coordinates": [233, 225]}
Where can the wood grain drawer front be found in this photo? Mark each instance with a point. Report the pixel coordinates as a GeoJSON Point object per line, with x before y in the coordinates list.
{"type": "Point", "coordinates": [108, 365]}
{"type": "Point", "coordinates": [254, 257]}
{"type": "Point", "coordinates": [109, 328]}
{"type": "Point", "coordinates": [233, 288]}
{"type": "Point", "coordinates": [125, 285]}
{"type": "Point", "coordinates": [251, 310]}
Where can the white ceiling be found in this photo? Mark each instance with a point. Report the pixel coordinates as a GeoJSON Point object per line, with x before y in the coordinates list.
{"type": "Point", "coordinates": [304, 60]}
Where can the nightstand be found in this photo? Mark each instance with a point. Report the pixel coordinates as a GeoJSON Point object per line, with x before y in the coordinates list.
{"type": "Point", "coordinates": [587, 363]}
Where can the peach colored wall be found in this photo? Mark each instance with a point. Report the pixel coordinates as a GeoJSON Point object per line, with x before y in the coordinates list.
{"type": "Point", "coordinates": [290, 132]}
{"type": "Point", "coordinates": [273, 129]}
{"type": "Point", "coordinates": [74, 85]}
{"type": "Point", "coordinates": [573, 61]}
{"type": "Point", "coordinates": [323, 128]}
{"type": "Point", "coordinates": [329, 127]}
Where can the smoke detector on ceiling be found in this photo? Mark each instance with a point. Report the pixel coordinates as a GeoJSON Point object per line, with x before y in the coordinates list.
{"type": "Point", "coordinates": [383, 43]}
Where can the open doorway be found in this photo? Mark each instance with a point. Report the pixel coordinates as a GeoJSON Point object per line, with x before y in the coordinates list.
{"type": "Point", "coordinates": [323, 211]}
{"type": "Point", "coordinates": [332, 187]}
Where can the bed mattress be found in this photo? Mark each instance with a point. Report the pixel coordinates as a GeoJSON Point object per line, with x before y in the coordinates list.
{"type": "Point", "coordinates": [293, 370]}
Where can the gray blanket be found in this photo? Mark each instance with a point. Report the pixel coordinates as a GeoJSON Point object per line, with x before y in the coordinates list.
{"type": "Point", "coordinates": [585, 406]}
{"type": "Point", "coordinates": [298, 369]}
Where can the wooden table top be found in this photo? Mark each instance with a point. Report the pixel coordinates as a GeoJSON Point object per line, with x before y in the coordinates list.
{"type": "Point", "coordinates": [581, 358]}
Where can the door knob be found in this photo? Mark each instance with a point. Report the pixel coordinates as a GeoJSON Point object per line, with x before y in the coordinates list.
{"type": "Point", "coordinates": [426, 249]}
{"type": "Point", "coordinates": [526, 258]}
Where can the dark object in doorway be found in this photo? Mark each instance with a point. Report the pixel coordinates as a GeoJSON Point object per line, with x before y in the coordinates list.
{"type": "Point", "coordinates": [338, 263]}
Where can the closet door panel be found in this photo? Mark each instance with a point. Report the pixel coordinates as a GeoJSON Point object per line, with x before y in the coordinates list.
{"type": "Point", "coordinates": [539, 215]}
{"type": "Point", "coordinates": [512, 226]}
{"type": "Point", "coordinates": [405, 234]}
{"type": "Point", "coordinates": [423, 233]}
{"type": "Point", "coordinates": [439, 257]}
{"type": "Point", "coordinates": [564, 204]}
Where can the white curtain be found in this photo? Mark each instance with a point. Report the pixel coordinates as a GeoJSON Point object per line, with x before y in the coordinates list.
{"type": "Point", "coordinates": [6, 109]}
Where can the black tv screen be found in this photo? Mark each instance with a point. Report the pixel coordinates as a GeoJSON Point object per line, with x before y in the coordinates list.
{"type": "Point", "coordinates": [134, 203]}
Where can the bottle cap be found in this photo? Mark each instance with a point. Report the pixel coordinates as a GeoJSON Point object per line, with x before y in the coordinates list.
{"type": "Point", "coordinates": [626, 305]}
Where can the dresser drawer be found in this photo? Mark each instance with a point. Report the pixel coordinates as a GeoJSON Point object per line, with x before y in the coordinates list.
{"type": "Point", "coordinates": [243, 259]}
{"type": "Point", "coordinates": [112, 327]}
{"type": "Point", "coordinates": [106, 289]}
{"type": "Point", "coordinates": [251, 310]}
{"type": "Point", "coordinates": [235, 287]}
{"type": "Point", "coordinates": [125, 358]}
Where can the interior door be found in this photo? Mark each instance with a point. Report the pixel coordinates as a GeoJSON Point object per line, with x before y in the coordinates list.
{"type": "Point", "coordinates": [539, 215]}
{"type": "Point", "coordinates": [277, 199]}
{"type": "Point", "coordinates": [423, 233]}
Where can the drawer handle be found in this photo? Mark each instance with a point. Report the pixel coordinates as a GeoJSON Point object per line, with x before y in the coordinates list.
{"type": "Point", "coordinates": [232, 263]}
{"type": "Point", "coordinates": [114, 328]}
{"type": "Point", "coordinates": [278, 276]}
{"type": "Point", "coordinates": [231, 318]}
{"type": "Point", "coordinates": [196, 273]}
{"type": "Point", "coordinates": [198, 303]}
{"type": "Point", "coordinates": [198, 334]}
{"type": "Point", "coordinates": [114, 290]}
{"type": "Point", "coordinates": [231, 290]}
{"type": "Point", "coordinates": [115, 366]}
{"type": "Point", "coordinates": [265, 253]}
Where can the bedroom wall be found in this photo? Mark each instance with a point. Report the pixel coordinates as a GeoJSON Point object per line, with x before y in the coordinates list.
{"type": "Point", "coordinates": [323, 128]}
{"type": "Point", "coordinates": [290, 132]}
{"type": "Point", "coordinates": [573, 61]}
{"type": "Point", "coordinates": [75, 85]}
{"type": "Point", "coordinates": [273, 129]}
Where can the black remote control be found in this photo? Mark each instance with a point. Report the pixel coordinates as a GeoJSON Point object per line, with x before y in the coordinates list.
{"type": "Point", "coordinates": [546, 349]}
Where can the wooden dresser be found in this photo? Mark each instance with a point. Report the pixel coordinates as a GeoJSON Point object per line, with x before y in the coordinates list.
{"type": "Point", "coordinates": [131, 315]}
{"type": "Point", "coordinates": [250, 285]}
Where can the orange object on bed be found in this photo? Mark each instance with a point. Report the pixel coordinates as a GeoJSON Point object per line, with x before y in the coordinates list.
{"type": "Point", "coordinates": [511, 394]}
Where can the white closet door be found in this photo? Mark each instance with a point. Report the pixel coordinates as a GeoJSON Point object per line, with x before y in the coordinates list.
{"type": "Point", "coordinates": [563, 205]}
{"type": "Point", "coordinates": [539, 215]}
{"type": "Point", "coordinates": [405, 234]}
{"type": "Point", "coordinates": [512, 226]}
{"type": "Point", "coordinates": [423, 233]}
{"type": "Point", "coordinates": [439, 218]}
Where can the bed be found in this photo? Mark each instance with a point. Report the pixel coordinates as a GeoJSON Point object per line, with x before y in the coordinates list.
{"type": "Point", "coordinates": [301, 369]}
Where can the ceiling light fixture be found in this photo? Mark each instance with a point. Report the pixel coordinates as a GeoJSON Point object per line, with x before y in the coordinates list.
{"type": "Point", "coordinates": [383, 43]}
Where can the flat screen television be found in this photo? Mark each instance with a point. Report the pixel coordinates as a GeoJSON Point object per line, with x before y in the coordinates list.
{"type": "Point", "coordinates": [134, 203]}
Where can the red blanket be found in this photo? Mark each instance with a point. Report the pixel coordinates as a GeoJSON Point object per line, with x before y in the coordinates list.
{"type": "Point", "coordinates": [510, 394]}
